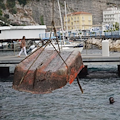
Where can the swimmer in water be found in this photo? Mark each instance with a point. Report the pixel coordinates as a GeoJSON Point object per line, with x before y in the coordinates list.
{"type": "Point", "coordinates": [111, 100]}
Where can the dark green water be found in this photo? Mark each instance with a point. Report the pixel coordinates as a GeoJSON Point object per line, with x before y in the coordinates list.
{"type": "Point", "coordinates": [67, 103]}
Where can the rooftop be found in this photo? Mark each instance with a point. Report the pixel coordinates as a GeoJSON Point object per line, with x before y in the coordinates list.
{"type": "Point", "coordinates": [77, 13]}
{"type": "Point", "coordinates": [23, 27]}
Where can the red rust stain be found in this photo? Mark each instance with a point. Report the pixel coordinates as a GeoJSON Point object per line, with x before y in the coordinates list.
{"type": "Point", "coordinates": [73, 76]}
{"type": "Point", "coordinates": [66, 67]}
{"type": "Point", "coordinates": [72, 71]}
{"type": "Point", "coordinates": [71, 79]}
{"type": "Point", "coordinates": [69, 73]}
{"type": "Point", "coordinates": [81, 67]}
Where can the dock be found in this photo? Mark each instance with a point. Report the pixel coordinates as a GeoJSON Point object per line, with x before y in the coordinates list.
{"type": "Point", "coordinates": [87, 59]}
{"type": "Point", "coordinates": [10, 60]}
{"type": "Point", "coordinates": [6, 62]}
{"type": "Point", "coordinates": [94, 59]}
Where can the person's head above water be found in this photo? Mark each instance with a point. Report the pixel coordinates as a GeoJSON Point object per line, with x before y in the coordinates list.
{"type": "Point", "coordinates": [111, 100]}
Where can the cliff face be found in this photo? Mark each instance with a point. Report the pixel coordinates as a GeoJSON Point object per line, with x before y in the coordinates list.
{"type": "Point", "coordinates": [40, 11]}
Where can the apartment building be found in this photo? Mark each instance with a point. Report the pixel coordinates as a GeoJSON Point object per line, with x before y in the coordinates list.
{"type": "Point", "coordinates": [111, 15]}
{"type": "Point", "coordinates": [78, 21]}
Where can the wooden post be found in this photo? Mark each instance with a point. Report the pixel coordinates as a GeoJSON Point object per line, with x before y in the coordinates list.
{"type": "Point", "coordinates": [119, 70]}
{"type": "Point", "coordinates": [83, 72]}
{"type": "Point", "coordinates": [4, 72]}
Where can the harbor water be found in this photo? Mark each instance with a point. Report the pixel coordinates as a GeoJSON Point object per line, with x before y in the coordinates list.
{"type": "Point", "coordinates": [67, 103]}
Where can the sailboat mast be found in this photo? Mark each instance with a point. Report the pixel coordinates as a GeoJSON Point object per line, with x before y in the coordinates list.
{"type": "Point", "coordinates": [66, 19]}
{"type": "Point", "coordinates": [61, 20]}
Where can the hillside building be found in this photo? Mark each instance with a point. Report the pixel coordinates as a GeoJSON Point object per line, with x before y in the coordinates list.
{"type": "Point", "coordinates": [78, 21]}
{"type": "Point", "coordinates": [111, 15]}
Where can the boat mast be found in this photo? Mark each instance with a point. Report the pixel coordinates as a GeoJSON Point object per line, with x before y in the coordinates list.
{"type": "Point", "coordinates": [61, 21]}
{"type": "Point", "coordinates": [66, 19]}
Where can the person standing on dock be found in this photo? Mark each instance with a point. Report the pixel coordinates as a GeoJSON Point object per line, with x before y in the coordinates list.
{"type": "Point", "coordinates": [23, 47]}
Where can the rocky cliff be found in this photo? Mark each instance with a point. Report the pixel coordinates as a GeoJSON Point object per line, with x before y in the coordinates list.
{"type": "Point", "coordinates": [35, 12]}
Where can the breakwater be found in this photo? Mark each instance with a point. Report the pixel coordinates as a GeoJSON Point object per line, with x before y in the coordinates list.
{"type": "Point", "coordinates": [114, 45]}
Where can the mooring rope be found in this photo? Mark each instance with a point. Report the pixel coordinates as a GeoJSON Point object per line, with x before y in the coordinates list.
{"type": "Point", "coordinates": [49, 41]}
{"type": "Point", "coordinates": [33, 62]}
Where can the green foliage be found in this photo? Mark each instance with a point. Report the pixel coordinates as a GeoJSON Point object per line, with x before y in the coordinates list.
{"type": "Point", "coordinates": [1, 1]}
{"type": "Point", "coordinates": [13, 10]}
{"type": "Point", "coordinates": [0, 12]}
{"type": "Point", "coordinates": [93, 32]}
{"type": "Point", "coordinates": [3, 24]}
{"type": "Point", "coordinates": [15, 24]}
{"type": "Point", "coordinates": [5, 20]}
{"type": "Point", "coordinates": [62, 4]}
{"type": "Point", "coordinates": [25, 14]}
{"type": "Point", "coordinates": [110, 30]}
{"type": "Point", "coordinates": [2, 5]}
{"type": "Point", "coordinates": [42, 20]}
{"type": "Point", "coordinates": [22, 2]}
{"type": "Point", "coordinates": [116, 26]}
{"type": "Point", "coordinates": [6, 16]}
{"type": "Point", "coordinates": [10, 3]}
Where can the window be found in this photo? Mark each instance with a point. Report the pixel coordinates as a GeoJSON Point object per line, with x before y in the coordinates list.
{"type": "Point", "coordinates": [68, 19]}
{"type": "Point", "coordinates": [82, 18]}
{"type": "Point", "coordinates": [89, 18]}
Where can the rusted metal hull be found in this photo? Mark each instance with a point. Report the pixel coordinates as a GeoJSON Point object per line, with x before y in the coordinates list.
{"type": "Point", "coordinates": [48, 72]}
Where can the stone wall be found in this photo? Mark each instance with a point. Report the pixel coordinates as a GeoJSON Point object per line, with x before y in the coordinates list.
{"type": "Point", "coordinates": [114, 45]}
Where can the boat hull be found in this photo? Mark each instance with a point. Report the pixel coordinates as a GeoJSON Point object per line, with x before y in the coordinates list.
{"type": "Point", "coordinates": [44, 71]}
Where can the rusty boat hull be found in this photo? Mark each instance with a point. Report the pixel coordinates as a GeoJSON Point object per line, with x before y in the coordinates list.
{"type": "Point", "coordinates": [45, 71]}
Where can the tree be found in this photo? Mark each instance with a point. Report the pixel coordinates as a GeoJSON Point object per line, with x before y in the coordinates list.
{"type": "Point", "coordinates": [116, 26]}
{"type": "Point", "coordinates": [42, 20]}
{"type": "Point", "coordinates": [0, 12]}
{"type": "Point", "coordinates": [22, 2]}
{"type": "Point", "coordinates": [10, 3]}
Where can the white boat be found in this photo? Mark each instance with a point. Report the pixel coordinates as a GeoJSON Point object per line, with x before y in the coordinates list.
{"type": "Point", "coordinates": [68, 46]}
{"type": "Point", "coordinates": [3, 45]}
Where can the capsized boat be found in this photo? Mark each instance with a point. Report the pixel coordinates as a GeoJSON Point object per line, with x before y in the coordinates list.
{"type": "Point", "coordinates": [47, 70]}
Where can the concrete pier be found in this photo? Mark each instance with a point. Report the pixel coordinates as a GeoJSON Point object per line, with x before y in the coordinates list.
{"type": "Point", "coordinates": [99, 59]}
{"type": "Point", "coordinates": [7, 62]}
